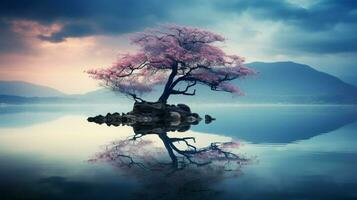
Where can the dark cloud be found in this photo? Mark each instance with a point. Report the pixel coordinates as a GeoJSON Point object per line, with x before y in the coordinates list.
{"type": "Point", "coordinates": [323, 43]}
{"type": "Point", "coordinates": [319, 16]}
{"type": "Point", "coordinates": [11, 41]}
{"type": "Point", "coordinates": [71, 30]}
{"type": "Point", "coordinates": [312, 28]}
{"type": "Point", "coordinates": [90, 17]}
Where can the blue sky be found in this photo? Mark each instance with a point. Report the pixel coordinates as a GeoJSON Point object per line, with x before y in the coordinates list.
{"type": "Point", "coordinates": [45, 41]}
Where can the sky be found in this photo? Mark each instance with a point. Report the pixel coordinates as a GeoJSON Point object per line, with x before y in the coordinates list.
{"type": "Point", "coordinates": [53, 42]}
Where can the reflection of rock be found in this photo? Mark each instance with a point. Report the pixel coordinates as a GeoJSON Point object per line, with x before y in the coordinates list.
{"type": "Point", "coordinates": [147, 115]}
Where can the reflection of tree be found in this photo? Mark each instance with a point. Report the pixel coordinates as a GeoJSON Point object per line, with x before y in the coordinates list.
{"type": "Point", "coordinates": [136, 152]}
{"type": "Point", "coordinates": [188, 172]}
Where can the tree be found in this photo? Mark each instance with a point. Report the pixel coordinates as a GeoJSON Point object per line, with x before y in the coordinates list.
{"type": "Point", "coordinates": [176, 56]}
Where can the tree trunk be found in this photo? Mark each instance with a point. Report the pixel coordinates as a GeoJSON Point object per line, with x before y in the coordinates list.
{"type": "Point", "coordinates": [164, 97]}
{"type": "Point", "coordinates": [167, 90]}
{"type": "Point", "coordinates": [172, 155]}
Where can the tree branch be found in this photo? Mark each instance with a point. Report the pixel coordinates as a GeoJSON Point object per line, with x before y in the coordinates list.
{"type": "Point", "coordinates": [185, 92]}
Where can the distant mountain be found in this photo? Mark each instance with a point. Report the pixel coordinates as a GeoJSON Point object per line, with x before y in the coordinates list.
{"type": "Point", "coordinates": [351, 79]}
{"type": "Point", "coordinates": [278, 82]}
{"type": "Point", "coordinates": [288, 78]}
{"type": "Point", "coordinates": [10, 99]}
{"type": "Point", "coordinates": [25, 89]}
{"type": "Point", "coordinates": [103, 95]}
{"type": "Point", "coordinates": [283, 82]}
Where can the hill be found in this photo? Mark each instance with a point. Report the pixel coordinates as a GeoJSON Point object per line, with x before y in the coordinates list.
{"type": "Point", "coordinates": [25, 89]}
{"type": "Point", "coordinates": [288, 78]}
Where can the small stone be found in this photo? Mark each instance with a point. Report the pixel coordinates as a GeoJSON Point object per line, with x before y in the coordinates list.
{"type": "Point", "coordinates": [209, 119]}
{"type": "Point", "coordinates": [175, 116]}
{"type": "Point", "coordinates": [184, 107]}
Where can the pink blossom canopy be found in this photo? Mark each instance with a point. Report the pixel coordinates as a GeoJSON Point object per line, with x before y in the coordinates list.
{"type": "Point", "coordinates": [170, 55]}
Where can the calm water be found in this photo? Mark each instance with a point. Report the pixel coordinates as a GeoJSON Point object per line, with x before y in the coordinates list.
{"type": "Point", "coordinates": [296, 152]}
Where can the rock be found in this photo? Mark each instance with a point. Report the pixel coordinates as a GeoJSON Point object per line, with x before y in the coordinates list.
{"type": "Point", "coordinates": [175, 116]}
{"type": "Point", "coordinates": [148, 107]}
{"type": "Point", "coordinates": [209, 119]}
{"type": "Point", "coordinates": [148, 116]}
{"type": "Point", "coordinates": [196, 116]}
{"type": "Point", "coordinates": [97, 119]}
{"type": "Point", "coordinates": [184, 107]}
{"type": "Point", "coordinates": [164, 111]}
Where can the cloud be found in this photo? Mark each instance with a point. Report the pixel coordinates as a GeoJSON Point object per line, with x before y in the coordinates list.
{"type": "Point", "coordinates": [323, 27]}
{"type": "Point", "coordinates": [324, 14]}
{"type": "Point", "coordinates": [304, 26]}
{"type": "Point", "coordinates": [340, 39]}
{"type": "Point", "coordinates": [89, 17]}
{"type": "Point", "coordinates": [11, 41]}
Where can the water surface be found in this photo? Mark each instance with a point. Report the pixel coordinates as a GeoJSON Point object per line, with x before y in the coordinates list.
{"type": "Point", "coordinates": [298, 152]}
